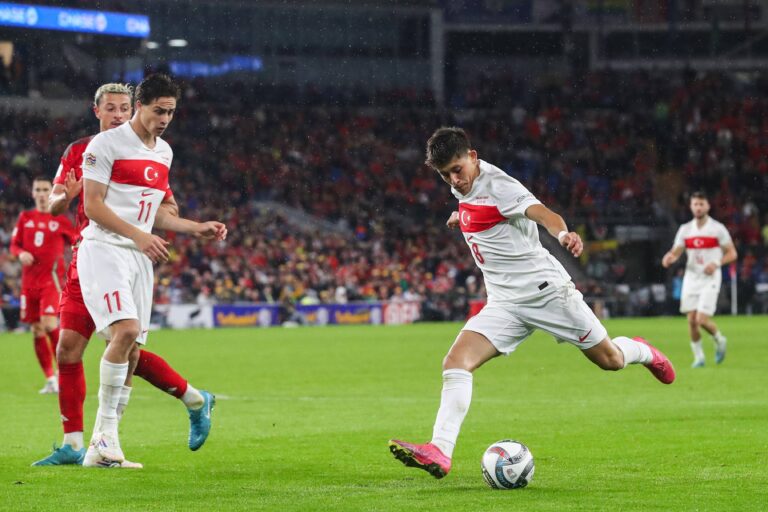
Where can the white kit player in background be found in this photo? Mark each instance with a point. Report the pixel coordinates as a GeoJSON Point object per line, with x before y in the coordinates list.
{"type": "Point", "coordinates": [125, 178]}
{"type": "Point", "coordinates": [528, 289]}
{"type": "Point", "coordinates": [708, 246]}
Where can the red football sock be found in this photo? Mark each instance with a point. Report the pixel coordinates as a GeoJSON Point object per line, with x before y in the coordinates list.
{"type": "Point", "coordinates": [54, 337]}
{"type": "Point", "coordinates": [155, 370]}
{"type": "Point", "coordinates": [71, 396]}
{"type": "Point", "coordinates": [44, 355]}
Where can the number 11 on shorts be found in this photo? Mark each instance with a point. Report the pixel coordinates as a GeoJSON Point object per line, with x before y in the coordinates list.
{"type": "Point", "coordinates": [116, 295]}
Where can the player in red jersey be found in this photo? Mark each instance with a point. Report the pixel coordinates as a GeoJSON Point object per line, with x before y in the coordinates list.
{"type": "Point", "coordinates": [112, 107]}
{"type": "Point", "coordinates": [38, 241]}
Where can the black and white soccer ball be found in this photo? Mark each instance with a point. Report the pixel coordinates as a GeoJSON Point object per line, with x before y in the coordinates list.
{"type": "Point", "coordinates": [507, 464]}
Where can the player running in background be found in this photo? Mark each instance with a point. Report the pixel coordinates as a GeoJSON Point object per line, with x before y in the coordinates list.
{"type": "Point", "coordinates": [38, 241]}
{"type": "Point", "coordinates": [125, 179]}
{"type": "Point", "coordinates": [528, 289]}
{"type": "Point", "coordinates": [708, 246]}
{"type": "Point", "coordinates": [112, 107]}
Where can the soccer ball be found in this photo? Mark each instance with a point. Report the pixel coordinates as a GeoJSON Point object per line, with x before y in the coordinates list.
{"type": "Point", "coordinates": [507, 464]}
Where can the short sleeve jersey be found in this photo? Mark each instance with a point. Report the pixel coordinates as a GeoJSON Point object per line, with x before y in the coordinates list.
{"type": "Point", "coordinates": [72, 160]}
{"type": "Point", "coordinates": [136, 177]}
{"type": "Point", "coordinates": [703, 245]}
{"type": "Point", "coordinates": [43, 235]}
{"type": "Point", "coordinates": [503, 241]}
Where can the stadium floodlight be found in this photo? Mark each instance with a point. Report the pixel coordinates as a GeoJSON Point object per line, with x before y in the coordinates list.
{"type": "Point", "coordinates": [152, 45]}
{"type": "Point", "coordinates": [177, 43]}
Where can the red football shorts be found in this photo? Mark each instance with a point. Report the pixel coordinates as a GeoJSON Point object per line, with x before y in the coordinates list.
{"type": "Point", "coordinates": [38, 301]}
{"type": "Point", "coordinates": [72, 311]}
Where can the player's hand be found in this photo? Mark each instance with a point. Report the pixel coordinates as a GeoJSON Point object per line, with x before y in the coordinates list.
{"type": "Point", "coordinates": [572, 242]}
{"type": "Point", "coordinates": [154, 247]}
{"type": "Point", "coordinates": [72, 186]}
{"type": "Point", "coordinates": [710, 268]}
{"type": "Point", "coordinates": [211, 230]}
{"type": "Point", "coordinates": [26, 258]}
{"type": "Point", "coordinates": [453, 220]}
{"type": "Point", "coordinates": [667, 260]}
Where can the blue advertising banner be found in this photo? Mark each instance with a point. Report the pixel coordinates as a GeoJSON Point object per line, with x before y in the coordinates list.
{"type": "Point", "coordinates": [362, 313]}
{"type": "Point", "coordinates": [341, 314]}
{"type": "Point", "coordinates": [74, 20]}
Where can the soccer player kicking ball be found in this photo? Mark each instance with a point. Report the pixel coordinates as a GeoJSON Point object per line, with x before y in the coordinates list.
{"type": "Point", "coordinates": [528, 289]}
{"type": "Point", "coordinates": [112, 107]}
{"type": "Point", "coordinates": [125, 178]}
{"type": "Point", "coordinates": [38, 241]}
{"type": "Point", "coordinates": [708, 246]}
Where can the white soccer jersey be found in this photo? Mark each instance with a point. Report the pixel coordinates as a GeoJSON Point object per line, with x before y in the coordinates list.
{"type": "Point", "coordinates": [503, 241]}
{"type": "Point", "coordinates": [703, 245]}
{"type": "Point", "coordinates": [136, 176]}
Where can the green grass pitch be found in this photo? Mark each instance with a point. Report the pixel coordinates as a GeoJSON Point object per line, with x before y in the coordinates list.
{"type": "Point", "coordinates": [304, 415]}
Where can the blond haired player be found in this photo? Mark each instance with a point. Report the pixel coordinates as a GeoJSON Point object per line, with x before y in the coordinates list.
{"type": "Point", "coordinates": [528, 289]}
{"type": "Point", "coordinates": [708, 246]}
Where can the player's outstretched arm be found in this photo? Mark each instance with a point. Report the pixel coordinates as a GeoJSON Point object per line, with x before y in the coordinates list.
{"type": "Point", "coordinates": [211, 230]}
{"type": "Point", "coordinates": [672, 256]}
{"type": "Point", "coordinates": [62, 195]}
{"type": "Point", "coordinates": [555, 225]}
{"type": "Point", "coordinates": [151, 245]}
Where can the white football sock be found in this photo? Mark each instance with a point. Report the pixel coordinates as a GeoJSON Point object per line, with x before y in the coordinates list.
{"type": "Point", "coordinates": [122, 402]}
{"type": "Point", "coordinates": [73, 439]}
{"type": "Point", "coordinates": [719, 338]}
{"type": "Point", "coordinates": [454, 404]}
{"type": "Point", "coordinates": [192, 398]}
{"type": "Point", "coordinates": [698, 350]}
{"type": "Point", "coordinates": [634, 351]}
{"type": "Point", "coordinates": [113, 377]}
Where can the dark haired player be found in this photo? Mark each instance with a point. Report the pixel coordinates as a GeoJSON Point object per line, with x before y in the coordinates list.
{"type": "Point", "coordinates": [38, 242]}
{"type": "Point", "coordinates": [125, 178]}
{"type": "Point", "coordinates": [112, 107]}
{"type": "Point", "coordinates": [528, 289]}
{"type": "Point", "coordinates": [708, 246]}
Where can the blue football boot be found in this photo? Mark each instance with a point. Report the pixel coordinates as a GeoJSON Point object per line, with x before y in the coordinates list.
{"type": "Point", "coordinates": [63, 456]}
{"type": "Point", "coordinates": [200, 421]}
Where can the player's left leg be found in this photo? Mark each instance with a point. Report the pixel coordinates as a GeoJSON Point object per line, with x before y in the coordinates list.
{"type": "Point", "coordinates": [705, 321]}
{"type": "Point", "coordinates": [616, 354]}
{"type": "Point", "coordinates": [199, 403]}
{"type": "Point", "coordinates": [564, 314]}
{"type": "Point", "coordinates": [706, 309]}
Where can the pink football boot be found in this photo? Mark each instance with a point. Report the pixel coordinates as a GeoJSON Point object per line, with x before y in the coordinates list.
{"type": "Point", "coordinates": [660, 366]}
{"type": "Point", "coordinates": [423, 456]}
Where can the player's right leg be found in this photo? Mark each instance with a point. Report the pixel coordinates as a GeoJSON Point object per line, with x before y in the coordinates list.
{"type": "Point", "coordinates": [30, 314]}
{"type": "Point", "coordinates": [695, 336]}
{"type": "Point", "coordinates": [470, 351]}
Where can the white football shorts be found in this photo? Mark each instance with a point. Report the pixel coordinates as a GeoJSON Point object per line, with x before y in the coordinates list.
{"type": "Point", "coordinates": [117, 284]}
{"type": "Point", "coordinates": [561, 313]}
{"type": "Point", "coordinates": [700, 293]}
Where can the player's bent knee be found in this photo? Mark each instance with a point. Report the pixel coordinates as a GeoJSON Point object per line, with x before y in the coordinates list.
{"type": "Point", "coordinates": [37, 330]}
{"type": "Point", "coordinates": [70, 348]}
{"type": "Point", "coordinates": [701, 318]}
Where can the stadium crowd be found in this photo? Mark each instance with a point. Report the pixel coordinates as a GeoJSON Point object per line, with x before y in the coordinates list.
{"type": "Point", "coordinates": [596, 151]}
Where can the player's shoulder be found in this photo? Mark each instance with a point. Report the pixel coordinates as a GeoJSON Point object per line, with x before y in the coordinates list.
{"type": "Point", "coordinates": [162, 145]}
{"type": "Point", "coordinates": [717, 224]}
{"type": "Point", "coordinates": [497, 175]}
{"type": "Point", "coordinates": [77, 148]}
